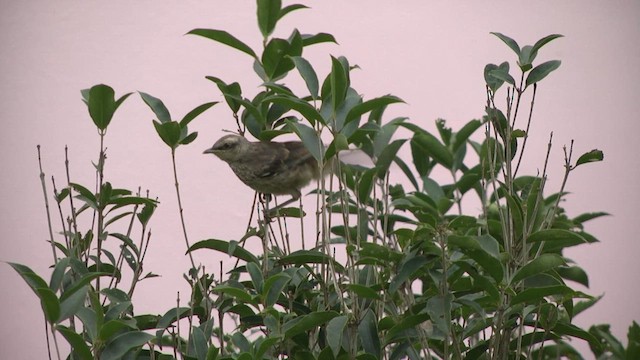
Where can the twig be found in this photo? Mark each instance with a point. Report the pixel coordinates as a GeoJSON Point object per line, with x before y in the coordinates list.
{"type": "Point", "coordinates": [46, 205]}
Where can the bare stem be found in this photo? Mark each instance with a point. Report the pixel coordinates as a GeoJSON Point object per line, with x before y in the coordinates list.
{"type": "Point", "coordinates": [46, 205]}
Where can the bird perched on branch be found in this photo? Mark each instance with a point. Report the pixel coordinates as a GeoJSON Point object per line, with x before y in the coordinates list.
{"type": "Point", "coordinates": [277, 168]}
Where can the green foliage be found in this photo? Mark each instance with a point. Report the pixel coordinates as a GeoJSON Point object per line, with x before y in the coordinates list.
{"type": "Point", "coordinates": [419, 276]}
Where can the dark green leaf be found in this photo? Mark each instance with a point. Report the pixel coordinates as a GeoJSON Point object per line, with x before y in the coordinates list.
{"type": "Point", "coordinates": [339, 80]}
{"type": "Point", "coordinates": [301, 257]}
{"type": "Point", "coordinates": [541, 264]}
{"type": "Point", "coordinates": [169, 132]}
{"type": "Point", "coordinates": [387, 156]}
{"type": "Point", "coordinates": [335, 330]}
{"type": "Point", "coordinates": [556, 239]}
{"type": "Point", "coordinates": [534, 295]}
{"type": "Point", "coordinates": [541, 71]}
{"type": "Point", "coordinates": [224, 246]}
{"type": "Point", "coordinates": [195, 112]}
{"type": "Point", "coordinates": [371, 105]}
{"type": "Point", "coordinates": [509, 41]}
{"type": "Point", "coordinates": [540, 43]}
{"type": "Point", "coordinates": [50, 304]}
{"type": "Point", "coordinates": [224, 38]}
{"type": "Point", "coordinates": [591, 156]}
{"type": "Point", "coordinates": [406, 272]}
{"type": "Point", "coordinates": [574, 273]}
{"type": "Point", "coordinates": [77, 342]}
{"type": "Point", "coordinates": [123, 343]}
{"type": "Point", "coordinates": [273, 287]}
{"type": "Point", "coordinates": [309, 138]}
{"type": "Point", "coordinates": [308, 75]}
{"type": "Point", "coordinates": [460, 137]}
{"type": "Point", "coordinates": [268, 15]}
{"type": "Point", "coordinates": [157, 106]}
{"type": "Point", "coordinates": [502, 75]}
{"type": "Point", "coordinates": [307, 322]}
{"type": "Point", "coordinates": [287, 9]}
{"type": "Point", "coordinates": [368, 334]}
{"type": "Point", "coordinates": [317, 39]}
{"type": "Point", "coordinates": [304, 108]}
{"type": "Point", "coordinates": [434, 148]}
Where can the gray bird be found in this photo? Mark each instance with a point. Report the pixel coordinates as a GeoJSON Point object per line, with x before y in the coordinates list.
{"type": "Point", "coordinates": [276, 168]}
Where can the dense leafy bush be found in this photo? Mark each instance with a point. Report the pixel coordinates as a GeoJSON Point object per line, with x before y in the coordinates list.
{"type": "Point", "coordinates": [416, 275]}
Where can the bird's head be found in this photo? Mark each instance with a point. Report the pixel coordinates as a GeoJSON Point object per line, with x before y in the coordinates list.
{"type": "Point", "coordinates": [229, 147]}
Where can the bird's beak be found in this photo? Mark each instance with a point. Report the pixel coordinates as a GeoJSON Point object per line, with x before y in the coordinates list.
{"type": "Point", "coordinates": [209, 151]}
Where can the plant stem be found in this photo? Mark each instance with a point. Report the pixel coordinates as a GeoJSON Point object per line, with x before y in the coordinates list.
{"type": "Point", "coordinates": [46, 205]}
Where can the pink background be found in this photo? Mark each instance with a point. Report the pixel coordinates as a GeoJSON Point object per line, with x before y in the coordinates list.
{"type": "Point", "coordinates": [430, 53]}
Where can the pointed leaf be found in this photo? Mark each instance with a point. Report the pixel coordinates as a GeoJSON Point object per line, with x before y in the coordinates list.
{"type": "Point", "coordinates": [309, 138]}
{"type": "Point", "coordinates": [540, 43]}
{"type": "Point", "coordinates": [335, 330]}
{"type": "Point", "coordinates": [509, 41]}
{"type": "Point", "coordinates": [368, 334]}
{"type": "Point", "coordinates": [224, 37]}
{"type": "Point", "coordinates": [195, 112]}
{"type": "Point", "coordinates": [120, 345]}
{"type": "Point", "coordinates": [591, 156]}
{"type": "Point", "coordinates": [371, 105]}
{"type": "Point", "coordinates": [268, 15]}
{"type": "Point", "coordinates": [273, 287]}
{"type": "Point", "coordinates": [102, 105]}
{"type": "Point", "coordinates": [434, 148]}
{"type": "Point", "coordinates": [541, 264]}
{"type": "Point", "coordinates": [287, 9]}
{"type": "Point", "coordinates": [307, 322]}
{"type": "Point", "coordinates": [541, 71]}
{"type": "Point", "coordinates": [308, 75]}
{"type": "Point", "coordinates": [224, 246]}
{"type": "Point", "coordinates": [317, 39]}
{"type": "Point", "coordinates": [77, 342]}
{"type": "Point", "coordinates": [157, 106]}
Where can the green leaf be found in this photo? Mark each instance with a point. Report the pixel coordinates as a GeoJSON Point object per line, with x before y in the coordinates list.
{"type": "Point", "coordinates": [371, 105]}
{"type": "Point", "coordinates": [512, 44]}
{"type": "Point", "coordinates": [231, 92]}
{"type": "Point", "coordinates": [483, 250]}
{"type": "Point", "coordinates": [31, 278]}
{"type": "Point", "coordinates": [495, 83]}
{"type": "Point", "coordinates": [317, 39]}
{"type": "Point", "coordinates": [50, 304]}
{"type": "Point", "coordinates": [460, 137]}
{"type": "Point", "coordinates": [157, 106]}
{"type": "Point", "coordinates": [364, 292]}
{"type": "Point", "coordinates": [368, 334]}
{"type": "Point", "coordinates": [534, 295]}
{"type": "Point", "coordinates": [556, 239]}
{"type": "Point", "coordinates": [276, 58]}
{"type": "Point", "coordinates": [541, 71]}
{"type": "Point", "coordinates": [541, 264]}
{"type": "Point", "coordinates": [307, 322]}
{"type": "Point", "coordinates": [574, 273]}
{"type": "Point", "coordinates": [123, 343]}
{"type": "Point", "coordinates": [224, 37]}
{"type": "Point", "coordinates": [633, 342]}
{"type": "Point", "coordinates": [502, 75]}
{"type": "Point", "coordinates": [256, 276]}
{"type": "Point", "coordinates": [540, 43]}
{"type": "Point", "coordinates": [387, 156]}
{"type": "Point", "coordinates": [308, 75]}
{"type": "Point", "coordinates": [406, 272]}
{"type": "Point", "coordinates": [287, 9]}
{"type": "Point", "coordinates": [224, 246]}
{"type": "Point", "coordinates": [73, 303]}
{"type": "Point", "coordinates": [335, 330]}
{"type": "Point", "coordinates": [195, 113]}
{"type": "Point", "coordinates": [301, 257]}
{"type": "Point", "coordinates": [273, 287]}
{"type": "Point", "coordinates": [304, 108]}
{"type": "Point", "coordinates": [591, 156]}
{"type": "Point", "coordinates": [169, 132]}
{"type": "Point", "coordinates": [268, 15]}
{"type": "Point", "coordinates": [434, 148]}
{"type": "Point", "coordinates": [309, 138]}
{"type": "Point", "coordinates": [339, 80]}
{"type": "Point", "coordinates": [79, 346]}
{"type": "Point", "coordinates": [102, 104]}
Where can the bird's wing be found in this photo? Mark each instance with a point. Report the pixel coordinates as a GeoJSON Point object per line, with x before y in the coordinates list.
{"type": "Point", "coordinates": [272, 158]}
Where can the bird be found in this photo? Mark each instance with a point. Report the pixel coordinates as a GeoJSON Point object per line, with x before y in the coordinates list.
{"type": "Point", "coordinates": [269, 167]}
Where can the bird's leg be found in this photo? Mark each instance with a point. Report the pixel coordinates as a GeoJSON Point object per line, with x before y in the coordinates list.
{"type": "Point", "coordinates": [294, 197]}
